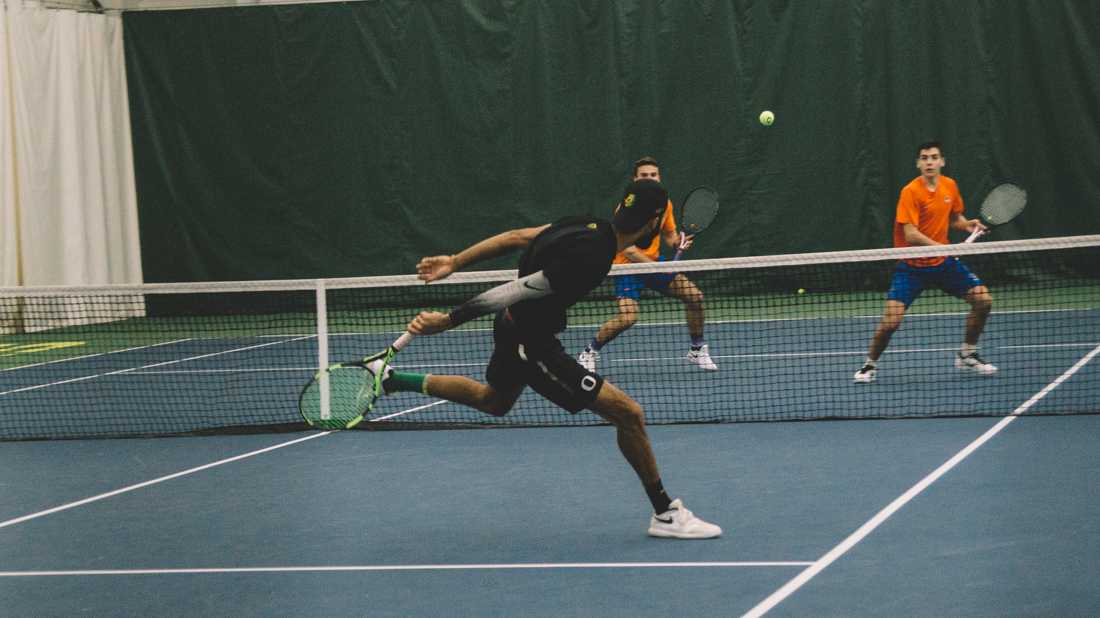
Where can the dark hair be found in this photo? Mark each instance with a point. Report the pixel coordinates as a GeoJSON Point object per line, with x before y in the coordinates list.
{"type": "Point", "coordinates": [641, 162]}
{"type": "Point", "coordinates": [930, 144]}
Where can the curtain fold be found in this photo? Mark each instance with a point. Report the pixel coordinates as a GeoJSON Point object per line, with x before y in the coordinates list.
{"type": "Point", "coordinates": [9, 238]}
{"type": "Point", "coordinates": [68, 205]}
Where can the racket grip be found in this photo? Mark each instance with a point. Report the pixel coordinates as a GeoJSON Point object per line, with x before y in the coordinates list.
{"type": "Point", "coordinates": [679, 254]}
{"type": "Point", "coordinates": [974, 235]}
{"type": "Point", "coordinates": [402, 341]}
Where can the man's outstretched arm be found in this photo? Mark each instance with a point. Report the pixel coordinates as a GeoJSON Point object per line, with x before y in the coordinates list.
{"type": "Point", "coordinates": [438, 267]}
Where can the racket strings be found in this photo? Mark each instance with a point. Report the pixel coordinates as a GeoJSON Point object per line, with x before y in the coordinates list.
{"type": "Point", "coordinates": [699, 210]}
{"type": "Point", "coordinates": [1003, 204]}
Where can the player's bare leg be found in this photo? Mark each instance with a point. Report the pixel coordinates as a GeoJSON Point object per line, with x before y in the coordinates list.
{"type": "Point", "coordinates": [670, 519]}
{"type": "Point", "coordinates": [887, 326]}
{"type": "Point", "coordinates": [891, 320]}
{"type": "Point", "coordinates": [472, 393]}
{"type": "Point", "coordinates": [458, 389]}
{"type": "Point", "coordinates": [625, 318]}
{"type": "Point", "coordinates": [682, 289]}
{"type": "Point", "coordinates": [628, 418]}
{"type": "Point", "coordinates": [981, 303]}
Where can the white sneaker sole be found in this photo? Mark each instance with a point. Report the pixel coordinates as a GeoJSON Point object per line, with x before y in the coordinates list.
{"type": "Point", "coordinates": [693, 535]}
{"type": "Point", "coordinates": [975, 370]}
{"type": "Point", "coordinates": [710, 367]}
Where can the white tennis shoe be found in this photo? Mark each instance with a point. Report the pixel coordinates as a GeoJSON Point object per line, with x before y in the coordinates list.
{"type": "Point", "coordinates": [974, 364]}
{"type": "Point", "coordinates": [866, 374]}
{"type": "Point", "coordinates": [588, 359]}
{"type": "Point", "coordinates": [701, 358]}
{"type": "Point", "coordinates": [679, 523]}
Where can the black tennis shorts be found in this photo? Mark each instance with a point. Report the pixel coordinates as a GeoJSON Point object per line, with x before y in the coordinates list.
{"type": "Point", "coordinates": [541, 364]}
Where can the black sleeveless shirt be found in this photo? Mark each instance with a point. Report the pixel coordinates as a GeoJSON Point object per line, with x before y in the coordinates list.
{"type": "Point", "coordinates": [575, 254]}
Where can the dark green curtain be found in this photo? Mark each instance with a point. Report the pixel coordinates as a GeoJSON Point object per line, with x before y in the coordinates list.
{"type": "Point", "coordinates": [352, 138]}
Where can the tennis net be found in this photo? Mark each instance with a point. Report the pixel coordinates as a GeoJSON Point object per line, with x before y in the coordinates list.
{"type": "Point", "coordinates": [787, 334]}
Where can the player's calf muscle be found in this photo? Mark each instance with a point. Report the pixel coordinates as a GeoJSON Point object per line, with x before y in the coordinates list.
{"type": "Point", "coordinates": [468, 392]}
{"type": "Point", "coordinates": [980, 299]}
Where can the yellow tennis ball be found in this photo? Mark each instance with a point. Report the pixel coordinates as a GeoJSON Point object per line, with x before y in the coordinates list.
{"type": "Point", "coordinates": [767, 118]}
{"type": "Point", "coordinates": [801, 290]}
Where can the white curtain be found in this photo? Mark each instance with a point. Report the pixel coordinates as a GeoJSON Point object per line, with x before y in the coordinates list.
{"type": "Point", "coordinates": [68, 207]}
{"type": "Point", "coordinates": [9, 237]}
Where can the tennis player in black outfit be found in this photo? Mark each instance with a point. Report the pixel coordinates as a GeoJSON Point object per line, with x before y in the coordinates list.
{"type": "Point", "coordinates": [561, 263]}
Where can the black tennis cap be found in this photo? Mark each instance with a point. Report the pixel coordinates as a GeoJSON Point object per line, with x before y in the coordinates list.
{"type": "Point", "coordinates": [642, 201]}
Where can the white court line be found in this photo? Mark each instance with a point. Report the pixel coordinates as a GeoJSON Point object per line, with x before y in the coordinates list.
{"type": "Point", "coordinates": [734, 321]}
{"type": "Point", "coordinates": [129, 488]}
{"type": "Point", "coordinates": [300, 369]}
{"type": "Point", "coordinates": [409, 567]}
{"type": "Point", "coordinates": [133, 369]}
{"type": "Point", "coordinates": [862, 352]}
{"type": "Point", "coordinates": [169, 477]}
{"type": "Point", "coordinates": [410, 410]}
{"type": "Point", "coordinates": [786, 355]}
{"type": "Point", "coordinates": [234, 370]}
{"type": "Point", "coordinates": [639, 360]}
{"type": "Point", "coordinates": [429, 365]}
{"type": "Point", "coordinates": [75, 358]}
{"type": "Point", "coordinates": [1049, 345]}
{"type": "Point", "coordinates": [867, 528]}
{"type": "Point", "coordinates": [570, 327]}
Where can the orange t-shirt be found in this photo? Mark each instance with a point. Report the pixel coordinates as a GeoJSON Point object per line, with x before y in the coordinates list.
{"type": "Point", "coordinates": [653, 250]}
{"type": "Point", "coordinates": [930, 211]}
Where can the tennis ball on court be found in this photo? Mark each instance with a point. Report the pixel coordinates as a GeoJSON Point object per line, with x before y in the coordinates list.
{"type": "Point", "coordinates": [767, 118]}
{"type": "Point", "coordinates": [801, 290]}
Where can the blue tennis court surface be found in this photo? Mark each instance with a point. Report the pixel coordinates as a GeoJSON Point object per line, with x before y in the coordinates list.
{"type": "Point", "coordinates": [946, 516]}
{"type": "Point", "coordinates": [552, 522]}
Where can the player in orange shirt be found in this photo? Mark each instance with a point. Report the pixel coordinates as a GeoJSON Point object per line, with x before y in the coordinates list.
{"type": "Point", "coordinates": [927, 206]}
{"type": "Point", "coordinates": [628, 288]}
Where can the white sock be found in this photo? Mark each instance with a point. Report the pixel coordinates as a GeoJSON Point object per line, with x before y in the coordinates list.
{"type": "Point", "coordinates": [967, 349]}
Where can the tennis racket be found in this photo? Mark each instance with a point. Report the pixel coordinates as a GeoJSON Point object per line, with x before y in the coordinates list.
{"type": "Point", "coordinates": [697, 213]}
{"type": "Point", "coordinates": [350, 389]}
{"type": "Point", "coordinates": [1003, 204]}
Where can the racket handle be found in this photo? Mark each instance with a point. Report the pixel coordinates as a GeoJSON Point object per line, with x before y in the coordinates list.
{"type": "Point", "coordinates": [402, 341]}
{"type": "Point", "coordinates": [974, 235]}
{"type": "Point", "coordinates": [680, 247]}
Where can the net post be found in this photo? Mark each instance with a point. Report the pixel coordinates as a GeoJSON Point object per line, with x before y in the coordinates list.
{"type": "Point", "coordinates": [322, 349]}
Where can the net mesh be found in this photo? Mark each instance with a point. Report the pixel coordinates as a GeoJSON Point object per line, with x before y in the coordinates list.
{"type": "Point", "coordinates": [169, 359]}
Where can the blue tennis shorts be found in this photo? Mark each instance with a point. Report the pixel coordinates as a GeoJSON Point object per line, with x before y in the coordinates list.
{"type": "Point", "coordinates": [952, 276]}
{"type": "Point", "coordinates": [630, 286]}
